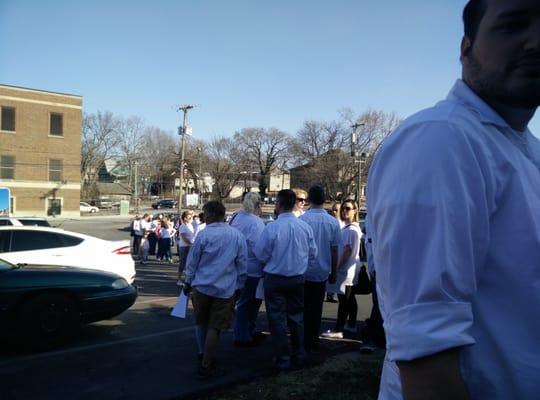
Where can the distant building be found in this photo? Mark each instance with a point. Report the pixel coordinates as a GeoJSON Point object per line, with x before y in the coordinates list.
{"type": "Point", "coordinates": [40, 150]}
{"type": "Point", "coordinates": [279, 180]}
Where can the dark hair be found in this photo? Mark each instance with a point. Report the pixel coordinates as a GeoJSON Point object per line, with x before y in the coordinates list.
{"type": "Point", "coordinates": [286, 199]}
{"type": "Point", "coordinates": [316, 195]}
{"type": "Point", "coordinates": [214, 210]}
{"type": "Point", "coordinates": [472, 15]}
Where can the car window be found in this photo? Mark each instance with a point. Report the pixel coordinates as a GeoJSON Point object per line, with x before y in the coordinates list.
{"type": "Point", "coordinates": [4, 241]}
{"type": "Point", "coordinates": [34, 222]}
{"type": "Point", "coordinates": [37, 240]}
{"type": "Point", "coordinates": [5, 222]}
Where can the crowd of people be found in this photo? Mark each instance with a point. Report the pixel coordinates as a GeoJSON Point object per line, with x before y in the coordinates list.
{"type": "Point", "coordinates": [230, 267]}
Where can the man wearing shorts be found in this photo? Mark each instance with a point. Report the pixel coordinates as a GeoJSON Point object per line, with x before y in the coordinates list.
{"type": "Point", "coordinates": [216, 268]}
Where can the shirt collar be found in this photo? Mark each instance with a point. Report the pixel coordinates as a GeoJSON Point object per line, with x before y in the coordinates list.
{"type": "Point", "coordinates": [286, 215]}
{"type": "Point", "coordinates": [317, 210]}
{"type": "Point", "coordinates": [463, 94]}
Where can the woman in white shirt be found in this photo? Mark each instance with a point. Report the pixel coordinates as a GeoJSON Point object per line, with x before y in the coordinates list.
{"type": "Point", "coordinates": [186, 237]}
{"type": "Point", "coordinates": [347, 270]}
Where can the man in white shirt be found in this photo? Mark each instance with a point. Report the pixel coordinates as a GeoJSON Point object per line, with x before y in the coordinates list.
{"type": "Point", "coordinates": [454, 213]}
{"type": "Point", "coordinates": [286, 245]}
{"type": "Point", "coordinates": [216, 268]}
{"type": "Point", "coordinates": [327, 234]}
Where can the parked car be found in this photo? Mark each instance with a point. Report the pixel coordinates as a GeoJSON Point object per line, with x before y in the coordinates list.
{"type": "Point", "coordinates": [85, 207]}
{"type": "Point", "coordinates": [24, 221]}
{"type": "Point", "coordinates": [165, 203]}
{"type": "Point", "coordinates": [267, 217]}
{"type": "Point", "coordinates": [44, 305]}
{"type": "Point", "coordinates": [41, 245]}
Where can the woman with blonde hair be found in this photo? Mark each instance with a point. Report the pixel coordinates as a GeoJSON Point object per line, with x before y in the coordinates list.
{"type": "Point", "coordinates": [301, 199]}
{"type": "Point", "coordinates": [347, 270]}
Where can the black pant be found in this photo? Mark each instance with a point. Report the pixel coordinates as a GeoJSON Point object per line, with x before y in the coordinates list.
{"type": "Point", "coordinates": [152, 241]}
{"type": "Point", "coordinates": [136, 244]}
{"type": "Point", "coordinates": [347, 309]}
{"type": "Point", "coordinates": [284, 300]}
{"type": "Point", "coordinates": [313, 306]}
{"type": "Point", "coordinates": [374, 324]}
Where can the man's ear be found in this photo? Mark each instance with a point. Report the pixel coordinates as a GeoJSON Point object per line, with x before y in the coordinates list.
{"type": "Point", "coordinates": [466, 47]}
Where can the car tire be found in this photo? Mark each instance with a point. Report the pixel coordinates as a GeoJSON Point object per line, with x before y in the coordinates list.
{"type": "Point", "coordinates": [48, 320]}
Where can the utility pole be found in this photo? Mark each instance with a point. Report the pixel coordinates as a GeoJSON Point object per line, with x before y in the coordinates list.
{"type": "Point", "coordinates": [136, 185]}
{"type": "Point", "coordinates": [182, 132]}
{"type": "Point", "coordinates": [358, 158]}
{"type": "Point", "coordinates": [200, 180]}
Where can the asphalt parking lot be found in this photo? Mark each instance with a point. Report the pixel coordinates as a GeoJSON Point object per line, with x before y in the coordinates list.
{"type": "Point", "coordinates": [143, 353]}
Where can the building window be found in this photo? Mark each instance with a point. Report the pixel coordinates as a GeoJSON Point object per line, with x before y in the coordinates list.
{"type": "Point", "coordinates": [57, 122]}
{"type": "Point", "coordinates": [7, 118]}
{"type": "Point", "coordinates": [7, 167]}
{"type": "Point", "coordinates": [54, 207]}
{"type": "Point", "coordinates": [55, 170]}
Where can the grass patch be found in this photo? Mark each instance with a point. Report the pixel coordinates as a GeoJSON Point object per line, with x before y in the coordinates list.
{"type": "Point", "coordinates": [342, 377]}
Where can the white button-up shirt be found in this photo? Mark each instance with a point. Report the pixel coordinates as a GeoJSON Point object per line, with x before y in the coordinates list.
{"type": "Point", "coordinates": [327, 234]}
{"type": "Point", "coordinates": [454, 214]}
{"type": "Point", "coordinates": [251, 227]}
{"type": "Point", "coordinates": [286, 245]}
{"type": "Point", "coordinates": [216, 264]}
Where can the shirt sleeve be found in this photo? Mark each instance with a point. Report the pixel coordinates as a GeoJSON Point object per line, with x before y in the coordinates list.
{"type": "Point", "coordinates": [193, 259]}
{"type": "Point", "coordinates": [241, 262]}
{"type": "Point", "coordinates": [429, 220]}
{"type": "Point", "coordinates": [263, 247]}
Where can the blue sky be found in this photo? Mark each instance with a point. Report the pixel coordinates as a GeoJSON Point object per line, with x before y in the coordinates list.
{"type": "Point", "coordinates": [244, 63]}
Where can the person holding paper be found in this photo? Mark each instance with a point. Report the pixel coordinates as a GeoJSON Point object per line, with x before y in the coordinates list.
{"type": "Point", "coordinates": [216, 267]}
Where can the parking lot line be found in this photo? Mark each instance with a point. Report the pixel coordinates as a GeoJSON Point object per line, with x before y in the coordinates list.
{"type": "Point", "coordinates": [94, 346]}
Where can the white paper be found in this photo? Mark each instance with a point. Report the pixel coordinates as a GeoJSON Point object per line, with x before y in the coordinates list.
{"type": "Point", "coordinates": [259, 292]}
{"type": "Point", "coordinates": [180, 309]}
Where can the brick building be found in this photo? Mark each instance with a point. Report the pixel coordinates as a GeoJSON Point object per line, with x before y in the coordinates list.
{"type": "Point", "coordinates": [40, 151]}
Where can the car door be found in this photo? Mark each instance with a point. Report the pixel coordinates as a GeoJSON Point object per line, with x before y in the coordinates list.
{"type": "Point", "coordinates": [36, 247]}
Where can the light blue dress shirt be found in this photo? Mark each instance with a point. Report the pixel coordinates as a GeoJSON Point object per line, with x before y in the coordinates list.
{"type": "Point", "coordinates": [251, 227]}
{"type": "Point", "coordinates": [216, 264]}
{"type": "Point", "coordinates": [327, 234]}
{"type": "Point", "coordinates": [454, 213]}
{"type": "Point", "coordinates": [286, 245]}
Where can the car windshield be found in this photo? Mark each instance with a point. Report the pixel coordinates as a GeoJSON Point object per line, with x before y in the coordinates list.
{"type": "Point", "coordinates": [4, 265]}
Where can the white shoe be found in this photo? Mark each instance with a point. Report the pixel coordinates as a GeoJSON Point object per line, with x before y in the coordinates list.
{"type": "Point", "coordinates": [179, 283]}
{"type": "Point", "coordinates": [332, 335]}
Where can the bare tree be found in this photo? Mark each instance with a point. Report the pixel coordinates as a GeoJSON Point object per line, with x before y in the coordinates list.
{"type": "Point", "coordinates": [265, 149]}
{"type": "Point", "coordinates": [99, 140]}
{"type": "Point", "coordinates": [159, 159]}
{"type": "Point", "coordinates": [223, 166]}
{"type": "Point", "coordinates": [131, 143]}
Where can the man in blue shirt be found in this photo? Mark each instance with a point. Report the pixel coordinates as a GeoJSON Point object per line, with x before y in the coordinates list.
{"type": "Point", "coordinates": [327, 234]}
{"type": "Point", "coordinates": [454, 212]}
{"type": "Point", "coordinates": [286, 246]}
{"type": "Point", "coordinates": [216, 269]}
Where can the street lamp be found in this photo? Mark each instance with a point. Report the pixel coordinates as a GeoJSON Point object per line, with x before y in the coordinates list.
{"type": "Point", "coordinates": [359, 158]}
{"type": "Point", "coordinates": [201, 183]}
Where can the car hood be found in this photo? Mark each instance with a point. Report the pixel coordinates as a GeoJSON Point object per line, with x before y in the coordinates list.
{"type": "Point", "coordinates": [35, 275]}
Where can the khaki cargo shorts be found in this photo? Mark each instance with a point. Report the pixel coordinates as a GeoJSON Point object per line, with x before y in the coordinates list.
{"type": "Point", "coordinates": [212, 311]}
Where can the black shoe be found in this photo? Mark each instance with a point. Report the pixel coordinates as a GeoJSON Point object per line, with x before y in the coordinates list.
{"type": "Point", "coordinates": [209, 372]}
{"type": "Point", "coordinates": [330, 299]}
{"type": "Point", "coordinates": [247, 343]}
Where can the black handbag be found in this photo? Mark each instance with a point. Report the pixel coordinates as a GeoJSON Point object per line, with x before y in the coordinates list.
{"type": "Point", "coordinates": [363, 286]}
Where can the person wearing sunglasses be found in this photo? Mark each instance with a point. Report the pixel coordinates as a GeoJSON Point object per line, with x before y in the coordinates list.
{"type": "Point", "coordinates": [301, 200]}
{"type": "Point", "coordinates": [347, 271]}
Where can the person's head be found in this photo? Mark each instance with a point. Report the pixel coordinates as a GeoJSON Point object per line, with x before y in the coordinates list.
{"type": "Point", "coordinates": [500, 51]}
{"type": "Point", "coordinates": [187, 216]}
{"type": "Point", "coordinates": [251, 202]}
{"type": "Point", "coordinates": [348, 211]}
{"type": "Point", "coordinates": [214, 211]}
{"type": "Point", "coordinates": [316, 195]}
{"type": "Point", "coordinates": [301, 198]}
{"type": "Point", "coordinates": [335, 210]}
{"type": "Point", "coordinates": [286, 200]}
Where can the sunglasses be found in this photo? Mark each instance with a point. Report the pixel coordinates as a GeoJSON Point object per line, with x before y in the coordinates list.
{"type": "Point", "coordinates": [301, 200]}
{"type": "Point", "coordinates": [347, 208]}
